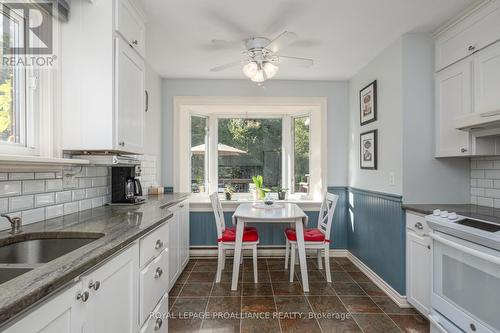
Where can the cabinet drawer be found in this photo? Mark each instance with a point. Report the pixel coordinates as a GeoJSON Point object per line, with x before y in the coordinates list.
{"type": "Point", "coordinates": [153, 284]}
{"type": "Point", "coordinates": [417, 223]}
{"type": "Point", "coordinates": [130, 25]}
{"type": "Point", "coordinates": [157, 322]}
{"type": "Point", "coordinates": [153, 244]}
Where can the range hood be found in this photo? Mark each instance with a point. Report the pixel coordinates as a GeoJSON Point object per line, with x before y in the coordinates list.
{"type": "Point", "coordinates": [478, 121]}
{"type": "Point", "coordinates": [109, 160]}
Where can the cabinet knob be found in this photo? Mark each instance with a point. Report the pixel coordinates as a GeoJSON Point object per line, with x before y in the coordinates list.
{"type": "Point", "coordinates": [419, 226]}
{"type": "Point", "coordinates": [463, 150]}
{"type": "Point", "coordinates": [135, 42]}
{"type": "Point", "coordinates": [159, 244]}
{"type": "Point", "coordinates": [158, 272]}
{"type": "Point", "coordinates": [429, 247]}
{"type": "Point", "coordinates": [121, 143]}
{"type": "Point", "coordinates": [181, 206]}
{"type": "Point", "coordinates": [471, 48]}
{"type": "Point", "coordinates": [94, 285]}
{"type": "Point", "coordinates": [83, 296]}
{"type": "Point", "coordinates": [158, 324]}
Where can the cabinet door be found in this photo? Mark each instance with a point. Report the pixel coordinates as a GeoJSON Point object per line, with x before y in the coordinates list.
{"type": "Point", "coordinates": [487, 80]}
{"type": "Point", "coordinates": [130, 25]}
{"type": "Point", "coordinates": [453, 99]}
{"type": "Point", "coordinates": [173, 243]}
{"type": "Point", "coordinates": [184, 236]}
{"type": "Point", "coordinates": [129, 99]}
{"type": "Point", "coordinates": [418, 271]}
{"type": "Point", "coordinates": [61, 314]}
{"type": "Point", "coordinates": [113, 307]}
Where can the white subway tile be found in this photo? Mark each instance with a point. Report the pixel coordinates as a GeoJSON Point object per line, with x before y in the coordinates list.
{"type": "Point", "coordinates": [45, 175]}
{"type": "Point", "coordinates": [71, 207]}
{"type": "Point", "coordinates": [54, 211]}
{"type": "Point", "coordinates": [102, 191]}
{"type": "Point", "coordinates": [107, 199]}
{"type": "Point", "coordinates": [21, 175]}
{"type": "Point", "coordinates": [477, 191]}
{"type": "Point", "coordinates": [33, 215]}
{"type": "Point", "coordinates": [99, 181]}
{"type": "Point", "coordinates": [53, 185]}
{"type": "Point", "coordinates": [90, 171]}
{"type": "Point", "coordinates": [90, 193]}
{"type": "Point", "coordinates": [486, 183]}
{"type": "Point", "coordinates": [20, 203]}
{"type": "Point", "coordinates": [84, 182]}
{"type": "Point", "coordinates": [4, 176]}
{"type": "Point", "coordinates": [101, 171]}
{"type": "Point", "coordinates": [473, 182]}
{"type": "Point", "coordinates": [78, 195]}
{"type": "Point", "coordinates": [8, 189]}
{"type": "Point", "coordinates": [62, 197]}
{"type": "Point", "coordinates": [85, 204]}
{"type": "Point", "coordinates": [70, 182]}
{"type": "Point", "coordinates": [488, 202]}
{"type": "Point", "coordinates": [473, 200]}
{"type": "Point", "coordinates": [496, 164]}
{"type": "Point", "coordinates": [33, 186]}
{"type": "Point", "coordinates": [485, 164]}
{"type": "Point", "coordinates": [44, 199]}
{"type": "Point", "coordinates": [492, 174]}
{"type": "Point", "coordinates": [97, 202]}
{"type": "Point", "coordinates": [477, 174]}
{"type": "Point", "coordinates": [4, 205]}
{"type": "Point", "coordinates": [492, 193]}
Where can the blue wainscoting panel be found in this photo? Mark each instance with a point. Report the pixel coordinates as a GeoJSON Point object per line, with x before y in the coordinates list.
{"type": "Point", "coordinates": [376, 234]}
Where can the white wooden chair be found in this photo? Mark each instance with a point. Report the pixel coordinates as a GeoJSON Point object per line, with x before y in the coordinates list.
{"type": "Point", "coordinates": [316, 238]}
{"type": "Point", "coordinates": [226, 239]}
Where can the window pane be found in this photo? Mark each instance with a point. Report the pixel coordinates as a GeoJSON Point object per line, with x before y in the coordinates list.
{"type": "Point", "coordinates": [11, 81]}
{"type": "Point", "coordinates": [301, 154]}
{"type": "Point", "coordinates": [199, 154]}
{"type": "Point", "coordinates": [249, 147]}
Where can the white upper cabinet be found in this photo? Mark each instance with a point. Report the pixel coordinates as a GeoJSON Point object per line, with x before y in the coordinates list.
{"type": "Point", "coordinates": [468, 35]}
{"type": "Point", "coordinates": [130, 25]}
{"type": "Point", "coordinates": [487, 80]}
{"type": "Point", "coordinates": [453, 99]}
{"type": "Point", "coordinates": [103, 78]}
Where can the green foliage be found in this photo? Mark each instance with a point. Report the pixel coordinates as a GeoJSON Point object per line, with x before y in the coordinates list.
{"type": "Point", "coordinates": [6, 105]}
{"type": "Point", "coordinates": [229, 189]}
{"type": "Point", "coordinates": [258, 181]}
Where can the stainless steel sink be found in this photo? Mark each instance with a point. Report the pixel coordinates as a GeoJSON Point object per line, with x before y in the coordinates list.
{"type": "Point", "coordinates": [8, 273]}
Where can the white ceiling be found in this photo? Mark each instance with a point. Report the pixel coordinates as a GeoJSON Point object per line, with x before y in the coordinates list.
{"type": "Point", "coordinates": [340, 35]}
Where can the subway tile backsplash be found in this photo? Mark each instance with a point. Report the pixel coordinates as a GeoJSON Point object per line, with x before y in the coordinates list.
{"type": "Point", "coordinates": [36, 196]}
{"type": "Point", "coordinates": [485, 181]}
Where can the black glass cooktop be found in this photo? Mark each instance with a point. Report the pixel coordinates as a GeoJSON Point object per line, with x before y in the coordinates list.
{"type": "Point", "coordinates": [480, 225]}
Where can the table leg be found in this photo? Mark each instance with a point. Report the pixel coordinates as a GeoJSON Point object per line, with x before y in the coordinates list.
{"type": "Point", "coordinates": [299, 228]}
{"type": "Point", "coordinates": [240, 225]}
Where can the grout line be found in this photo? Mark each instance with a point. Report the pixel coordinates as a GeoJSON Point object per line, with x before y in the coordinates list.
{"type": "Point", "coordinates": [274, 297]}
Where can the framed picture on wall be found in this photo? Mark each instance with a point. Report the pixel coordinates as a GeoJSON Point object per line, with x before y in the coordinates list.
{"type": "Point", "coordinates": [368, 150]}
{"type": "Point", "coordinates": [368, 103]}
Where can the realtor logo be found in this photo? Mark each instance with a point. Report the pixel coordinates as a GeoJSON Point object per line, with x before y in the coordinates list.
{"type": "Point", "coordinates": [32, 22]}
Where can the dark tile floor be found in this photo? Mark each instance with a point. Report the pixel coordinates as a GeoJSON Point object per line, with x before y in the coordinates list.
{"type": "Point", "coordinates": [352, 303]}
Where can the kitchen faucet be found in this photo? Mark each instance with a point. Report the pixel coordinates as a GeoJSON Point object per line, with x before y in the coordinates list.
{"type": "Point", "coordinates": [15, 222]}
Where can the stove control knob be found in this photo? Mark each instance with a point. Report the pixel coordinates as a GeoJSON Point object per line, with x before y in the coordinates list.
{"type": "Point", "coordinates": [444, 214]}
{"type": "Point", "coordinates": [436, 212]}
{"type": "Point", "coordinates": [452, 216]}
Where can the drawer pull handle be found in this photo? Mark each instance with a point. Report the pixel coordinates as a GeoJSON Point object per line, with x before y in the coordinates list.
{"type": "Point", "coordinates": [158, 324]}
{"type": "Point", "coordinates": [159, 244]}
{"type": "Point", "coordinates": [419, 226]}
{"type": "Point", "coordinates": [83, 296]}
{"type": "Point", "coordinates": [158, 273]}
{"type": "Point", "coordinates": [94, 285]}
{"type": "Point", "coordinates": [135, 42]}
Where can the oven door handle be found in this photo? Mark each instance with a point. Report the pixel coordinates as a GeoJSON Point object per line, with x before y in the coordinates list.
{"type": "Point", "coordinates": [472, 252]}
{"type": "Point", "coordinates": [434, 320]}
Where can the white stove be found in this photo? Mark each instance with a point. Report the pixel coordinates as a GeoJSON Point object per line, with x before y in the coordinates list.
{"type": "Point", "coordinates": [465, 273]}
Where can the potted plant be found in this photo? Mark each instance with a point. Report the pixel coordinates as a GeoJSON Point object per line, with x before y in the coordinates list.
{"type": "Point", "coordinates": [228, 191]}
{"type": "Point", "coordinates": [281, 192]}
{"type": "Point", "coordinates": [259, 187]}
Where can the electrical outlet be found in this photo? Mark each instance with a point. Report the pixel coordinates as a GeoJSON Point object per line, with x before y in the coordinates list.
{"type": "Point", "coordinates": [392, 179]}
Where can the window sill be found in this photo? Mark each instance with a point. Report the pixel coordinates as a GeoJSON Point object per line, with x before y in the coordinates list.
{"type": "Point", "coordinates": [37, 161]}
{"type": "Point", "coordinates": [201, 203]}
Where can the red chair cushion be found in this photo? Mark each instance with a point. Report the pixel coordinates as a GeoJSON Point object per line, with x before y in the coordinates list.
{"type": "Point", "coordinates": [233, 229]}
{"type": "Point", "coordinates": [248, 236]}
{"type": "Point", "coordinates": [310, 235]}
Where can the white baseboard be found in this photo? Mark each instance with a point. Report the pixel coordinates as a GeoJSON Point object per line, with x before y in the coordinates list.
{"type": "Point", "coordinates": [399, 299]}
{"type": "Point", "coordinates": [279, 251]}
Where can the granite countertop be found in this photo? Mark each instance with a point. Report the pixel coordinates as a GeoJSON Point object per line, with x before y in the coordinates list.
{"type": "Point", "coordinates": [119, 226]}
{"type": "Point", "coordinates": [469, 210]}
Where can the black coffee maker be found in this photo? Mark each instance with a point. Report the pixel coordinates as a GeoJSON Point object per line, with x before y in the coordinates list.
{"type": "Point", "coordinates": [125, 186]}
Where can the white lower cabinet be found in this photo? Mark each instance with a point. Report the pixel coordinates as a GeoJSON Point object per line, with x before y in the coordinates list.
{"type": "Point", "coordinates": [418, 263]}
{"type": "Point", "coordinates": [154, 282]}
{"type": "Point", "coordinates": [157, 322]}
{"type": "Point", "coordinates": [178, 240]}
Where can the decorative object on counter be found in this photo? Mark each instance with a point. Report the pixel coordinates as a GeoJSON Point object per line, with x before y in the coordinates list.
{"type": "Point", "coordinates": [156, 190]}
{"type": "Point", "coordinates": [259, 187]}
{"type": "Point", "coordinates": [268, 200]}
{"type": "Point", "coordinates": [368, 104]}
{"type": "Point", "coordinates": [228, 191]}
{"type": "Point", "coordinates": [368, 150]}
{"type": "Point", "coordinates": [261, 205]}
{"type": "Point", "coordinates": [281, 192]}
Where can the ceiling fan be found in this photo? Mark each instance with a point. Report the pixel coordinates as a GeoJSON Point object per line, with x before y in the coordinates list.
{"type": "Point", "coordinates": [261, 59]}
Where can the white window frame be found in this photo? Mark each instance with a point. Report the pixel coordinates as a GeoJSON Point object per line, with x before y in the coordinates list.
{"type": "Point", "coordinates": [251, 107]}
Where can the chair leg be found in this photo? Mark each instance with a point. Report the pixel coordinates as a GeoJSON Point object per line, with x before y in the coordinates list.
{"type": "Point", "coordinates": [292, 262]}
{"type": "Point", "coordinates": [287, 253]}
{"type": "Point", "coordinates": [219, 264]}
{"type": "Point", "coordinates": [255, 264]}
{"type": "Point", "coordinates": [241, 260]}
{"type": "Point", "coordinates": [327, 263]}
{"type": "Point", "coordinates": [320, 266]}
{"type": "Point", "coordinates": [223, 259]}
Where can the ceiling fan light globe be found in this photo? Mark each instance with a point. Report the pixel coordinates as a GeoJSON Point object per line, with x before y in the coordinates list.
{"type": "Point", "coordinates": [259, 76]}
{"type": "Point", "coordinates": [270, 69]}
{"type": "Point", "coordinates": [250, 69]}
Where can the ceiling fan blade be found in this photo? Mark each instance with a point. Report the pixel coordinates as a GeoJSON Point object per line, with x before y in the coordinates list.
{"type": "Point", "coordinates": [282, 41]}
{"type": "Point", "coordinates": [302, 62]}
{"type": "Point", "coordinates": [225, 66]}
